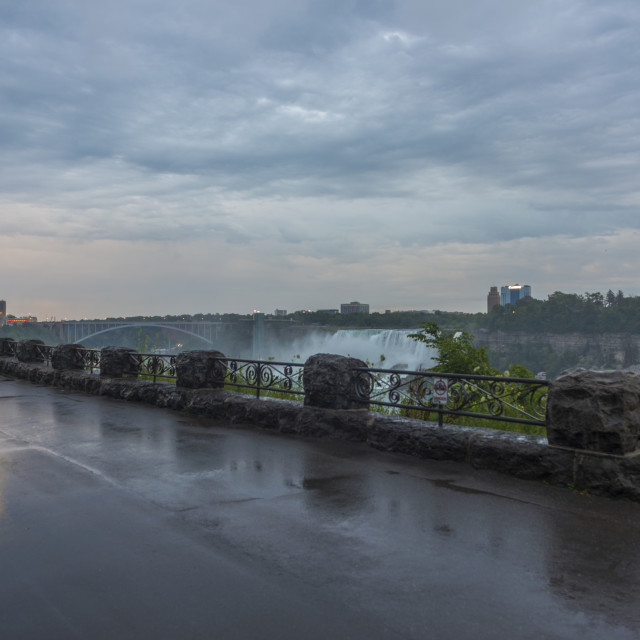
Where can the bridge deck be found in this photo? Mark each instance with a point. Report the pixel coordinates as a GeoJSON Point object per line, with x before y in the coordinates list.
{"type": "Point", "coordinates": [78, 330]}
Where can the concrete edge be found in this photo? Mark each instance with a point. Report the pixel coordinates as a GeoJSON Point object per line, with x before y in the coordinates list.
{"type": "Point", "coordinates": [521, 456]}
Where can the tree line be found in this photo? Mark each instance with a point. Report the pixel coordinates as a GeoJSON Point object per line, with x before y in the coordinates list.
{"type": "Point", "coordinates": [559, 313]}
{"type": "Point", "coordinates": [569, 312]}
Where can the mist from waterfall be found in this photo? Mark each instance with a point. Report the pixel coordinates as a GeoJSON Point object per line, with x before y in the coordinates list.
{"type": "Point", "coordinates": [388, 349]}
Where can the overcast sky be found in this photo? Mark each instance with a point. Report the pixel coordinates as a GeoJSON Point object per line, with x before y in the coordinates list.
{"type": "Point", "coordinates": [203, 156]}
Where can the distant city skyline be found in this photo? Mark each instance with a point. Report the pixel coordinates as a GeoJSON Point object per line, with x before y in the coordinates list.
{"type": "Point", "coordinates": [509, 294]}
{"type": "Point", "coordinates": [231, 156]}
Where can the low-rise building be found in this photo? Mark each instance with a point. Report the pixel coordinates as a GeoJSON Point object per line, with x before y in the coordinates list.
{"type": "Point", "coordinates": [354, 307]}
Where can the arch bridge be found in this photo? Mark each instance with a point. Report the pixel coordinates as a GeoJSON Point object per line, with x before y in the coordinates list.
{"type": "Point", "coordinates": [78, 330]}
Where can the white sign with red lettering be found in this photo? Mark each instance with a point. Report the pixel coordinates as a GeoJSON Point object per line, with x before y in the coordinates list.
{"type": "Point", "coordinates": [440, 391]}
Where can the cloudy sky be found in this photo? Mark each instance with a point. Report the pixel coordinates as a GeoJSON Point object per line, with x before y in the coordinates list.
{"type": "Point", "coordinates": [206, 156]}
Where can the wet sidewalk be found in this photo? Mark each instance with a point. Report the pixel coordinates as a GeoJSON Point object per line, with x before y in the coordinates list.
{"type": "Point", "coordinates": [125, 521]}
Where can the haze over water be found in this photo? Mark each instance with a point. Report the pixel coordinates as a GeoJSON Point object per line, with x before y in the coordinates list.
{"type": "Point", "coordinates": [367, 344]}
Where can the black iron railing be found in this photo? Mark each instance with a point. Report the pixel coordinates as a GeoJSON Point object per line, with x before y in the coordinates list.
{"type": "Point", "coordinates": [264, 376]}
{"type": "Point", "coordinates": [154, 365]}
{"type": "Point", "coordinates": [424, 394]}
{"type": "Point", "coordinates": [90, 359]}
{"type": "Point", "coordinates": [44, 351]}
{"type": "Point", "coordinates": [505, 399]}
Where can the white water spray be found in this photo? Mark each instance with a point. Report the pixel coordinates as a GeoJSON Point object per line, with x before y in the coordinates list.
{"type": "Point", "coordinates": [387, 349]}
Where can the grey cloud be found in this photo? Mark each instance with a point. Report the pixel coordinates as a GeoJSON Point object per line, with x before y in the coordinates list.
{"type": "Point", "coordinates": [313, 101]}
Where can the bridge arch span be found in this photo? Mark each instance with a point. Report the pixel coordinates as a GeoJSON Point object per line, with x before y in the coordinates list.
{"type": "Point", "coordinates": [145, 325]}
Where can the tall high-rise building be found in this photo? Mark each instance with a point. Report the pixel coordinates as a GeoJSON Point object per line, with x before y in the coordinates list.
{"type": "Point", "coordinates": [3, 312]}
{"type": "Point", "coordinates": [514, 292]}
{"type": "Point", "coordinates": [493, 299]}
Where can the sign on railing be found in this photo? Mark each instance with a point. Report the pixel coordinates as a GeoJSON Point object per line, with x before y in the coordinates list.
{"type": "Point", "coordinates": [521, 400]}
{"type": "Point", "coordinates": [506, 399]}
{"type": "Point", "coordinates": [440, 391]}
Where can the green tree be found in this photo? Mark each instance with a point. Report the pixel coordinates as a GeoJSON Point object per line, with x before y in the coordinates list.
{"type": "Point", "coordinates": [455, 351]}
{"type": "Point", "coordinates": [142, 341]}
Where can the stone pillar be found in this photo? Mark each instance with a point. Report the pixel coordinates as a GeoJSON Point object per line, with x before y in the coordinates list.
{"type": "Point", "coordinates": [333, 382]}
{"type": "Point", "coordinates": [117, 362]}
{"type": "Point", "coordinates": [200, 370]}
{"type": "Point", "coordinates": [6, 346]}
{"type": "Point", "coordinates": [595, 411]}
{"type": "Point", "coordinates": [29, 351]}
{"type": "Point", "coordinates": [67, 356]}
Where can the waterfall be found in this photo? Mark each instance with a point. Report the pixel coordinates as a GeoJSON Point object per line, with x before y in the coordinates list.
{"type": "Point", "coordinates": [384, 348]}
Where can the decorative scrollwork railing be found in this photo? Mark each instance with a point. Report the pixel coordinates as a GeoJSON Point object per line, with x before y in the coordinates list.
{"type": "Point", "coordinates": [44, 351]}
{"type": "Point", "coordinates": [90, 359]}
{"type": "Point", "coordinates": [520, 400]}
{"type": "Point", "coordinates": [506, 399]}
{"type": "Point", "coordinates": [264, 375]}
{"type": "Point", "coordinates": [155, 365]}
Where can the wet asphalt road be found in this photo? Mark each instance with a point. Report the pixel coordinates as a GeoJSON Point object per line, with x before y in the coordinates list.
{"type": "Point", "coordinates": [124, 521]}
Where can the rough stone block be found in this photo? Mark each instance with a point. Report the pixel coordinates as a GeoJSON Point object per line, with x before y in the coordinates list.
{"type": "Point", "coordinates": [595, 411]}
{"type": "Point", "coordinates": [200, 370]}
{"type": "Point", "coordinates": [67, 356]}
{"type": "Point", "coordinates": [30, 351]}
{"type": "Point", "coordinates": [333, 382]}
{"type": "Point", "coordinates": [117, 362]}
{"type": "Point", "coordinates": [6, 346]}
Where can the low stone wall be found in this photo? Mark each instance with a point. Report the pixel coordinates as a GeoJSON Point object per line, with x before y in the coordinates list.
{"type": "Point", "coordinates": [528, 457]}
